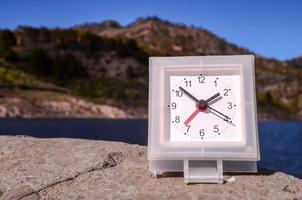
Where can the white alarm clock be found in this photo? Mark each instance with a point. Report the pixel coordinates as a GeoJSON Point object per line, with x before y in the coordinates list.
{"type": "Point", "coordinates": [202, 116]}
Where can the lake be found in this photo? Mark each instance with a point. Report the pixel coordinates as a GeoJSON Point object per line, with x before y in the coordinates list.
{"type": "Point", "coordinates": [280, 141]}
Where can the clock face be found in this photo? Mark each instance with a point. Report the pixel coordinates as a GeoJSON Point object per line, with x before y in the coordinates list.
{"type": "Point", "coordinates": [205, 107]}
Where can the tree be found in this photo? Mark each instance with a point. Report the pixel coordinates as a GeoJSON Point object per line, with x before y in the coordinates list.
{"type": "Point", "coordinates": [67, 67]}
{"type": "Point", "coordinates": [7, 40]}
{"type": "Point", "coordinates": [40, 63]}
{"type": "Point", "coordinates": [130, 72]}
{"type": "Point", "coordinates": [268, 97]}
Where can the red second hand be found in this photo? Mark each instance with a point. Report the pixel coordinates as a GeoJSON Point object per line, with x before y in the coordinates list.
{"type": "Point", "coordinates": [192, 116]}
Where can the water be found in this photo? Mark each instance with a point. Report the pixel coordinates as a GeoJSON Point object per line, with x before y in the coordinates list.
{"type": "Point", "coordinates": [280, 141]}
{"type": "Point", "coordinates": [281, 146]}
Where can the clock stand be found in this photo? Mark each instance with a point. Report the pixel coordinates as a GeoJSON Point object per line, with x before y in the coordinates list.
{"type": "Point", "coordinates": [202, 171]}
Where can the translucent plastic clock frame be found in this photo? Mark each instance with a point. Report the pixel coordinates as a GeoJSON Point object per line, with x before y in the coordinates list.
{"type": "Point", "coordinates": [202, 116]}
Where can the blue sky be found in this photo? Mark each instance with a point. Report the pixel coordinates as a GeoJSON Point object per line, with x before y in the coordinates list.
{"type": "Point", "coordinates": [269, 28]}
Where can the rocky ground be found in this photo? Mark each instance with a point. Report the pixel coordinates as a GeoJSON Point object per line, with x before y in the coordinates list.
{"type": "Point", "coordinates": [32, 169]}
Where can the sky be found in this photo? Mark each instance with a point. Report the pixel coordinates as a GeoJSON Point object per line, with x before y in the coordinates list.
{"type": "Point", "coordinates": [272, 28]}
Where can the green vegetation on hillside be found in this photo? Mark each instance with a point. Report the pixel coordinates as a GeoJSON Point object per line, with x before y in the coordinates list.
{"type": "Point", "coordinates": [57, 57]}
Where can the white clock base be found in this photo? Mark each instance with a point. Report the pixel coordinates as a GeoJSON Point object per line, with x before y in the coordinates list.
{"type": "Point", "coordinates": [202, 171]}
{"type": "Point", "coordinates": [207, 171]}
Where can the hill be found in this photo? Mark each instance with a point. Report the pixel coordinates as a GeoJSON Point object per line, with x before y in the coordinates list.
{"type": "Point", "coordinates": [106, 63]}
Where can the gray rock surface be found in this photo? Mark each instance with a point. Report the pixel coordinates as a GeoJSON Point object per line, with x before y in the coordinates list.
{"type": "Point", "coordinates": [32, 169]}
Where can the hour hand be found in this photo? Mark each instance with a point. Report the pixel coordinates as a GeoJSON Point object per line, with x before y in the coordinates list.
{"type": "Point", "coordinates": [189, 94]}
{"type": "Point", "coordinates": [213, 97]}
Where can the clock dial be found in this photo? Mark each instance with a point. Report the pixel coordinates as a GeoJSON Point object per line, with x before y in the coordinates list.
{"type": "Point", "coordinates": [205, 107]}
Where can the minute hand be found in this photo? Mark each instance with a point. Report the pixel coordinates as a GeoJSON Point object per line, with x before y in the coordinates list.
{"type": "Point", "coordinates": [225, 116]}
{"type": "Point", "coordinates": [189, 94]}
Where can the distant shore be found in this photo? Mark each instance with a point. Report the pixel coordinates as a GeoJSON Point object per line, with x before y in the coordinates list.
{"type": "Point", "coordinates": [51, 105]}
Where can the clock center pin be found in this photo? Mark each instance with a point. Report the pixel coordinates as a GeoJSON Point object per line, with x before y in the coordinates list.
{"type": "Point", "coordinates": [202, 105]}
